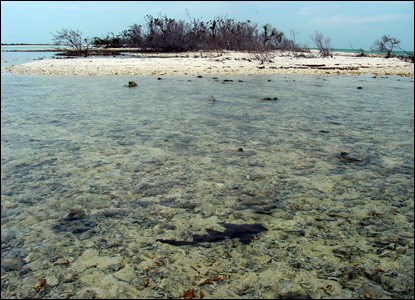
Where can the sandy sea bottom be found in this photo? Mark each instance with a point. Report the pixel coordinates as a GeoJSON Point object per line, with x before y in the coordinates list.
{"type": "Point", "coordinates": [93, 173]}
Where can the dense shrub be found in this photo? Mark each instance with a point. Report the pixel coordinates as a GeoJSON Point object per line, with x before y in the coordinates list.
{"type": "Point", "coordinates": [170, 35]}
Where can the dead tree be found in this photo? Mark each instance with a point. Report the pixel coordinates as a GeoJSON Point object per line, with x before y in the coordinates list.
{"type": "Point", "coordinates": [386, 44]}
{"type": "Point", "coordinates": [71, 38]}
{"type": "Point", "coordinates": [322, 44]}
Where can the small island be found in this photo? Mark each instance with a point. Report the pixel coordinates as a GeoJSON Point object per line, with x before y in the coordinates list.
{"type": "Point", "coordinates": [166, 46]}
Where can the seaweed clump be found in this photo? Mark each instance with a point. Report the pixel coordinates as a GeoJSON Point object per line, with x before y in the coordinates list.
{"type": "Point", "coordinates": [244, 232]}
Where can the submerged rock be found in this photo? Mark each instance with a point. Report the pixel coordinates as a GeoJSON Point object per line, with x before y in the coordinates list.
{"type": "Point", "coordinates": [347, 157]}
{"type": "Point", "coordinates": [75, 214]}
{"type": "Point", "coordinates": [269, 99]}
{"type": "Point", "coordinates": [211, 98]}
{"type": "Point", "coordinates": [12, 264]}
{"type": "Point", "coordinates": [244, 232]}
{"type": "Point", "coordinates": [131, 84]}
{"type": "Point", "coordinates": [259, 204]}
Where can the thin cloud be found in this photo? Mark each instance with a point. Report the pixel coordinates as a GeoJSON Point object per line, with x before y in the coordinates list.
{"type": "Point", "coordinates": [347, 20]}
{"type": "Point", "coordinates": [305, 11]}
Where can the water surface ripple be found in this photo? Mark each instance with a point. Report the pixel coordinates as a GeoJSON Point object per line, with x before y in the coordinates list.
{"type": "Point", "coordinates": [93, 173]}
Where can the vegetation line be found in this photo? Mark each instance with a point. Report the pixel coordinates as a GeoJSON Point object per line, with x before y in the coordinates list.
{"type": "Point", "coordinates": [165, 34]}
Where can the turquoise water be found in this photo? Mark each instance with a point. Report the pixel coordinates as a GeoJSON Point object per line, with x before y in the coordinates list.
{"type": "Point", "coordinates": [327, 168]}
{"type": "Point", "coordinates": [369, 51]}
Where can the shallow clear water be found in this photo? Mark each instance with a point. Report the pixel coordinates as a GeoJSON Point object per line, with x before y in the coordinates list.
{"type": "Point", "coordinates": [14, 58]}
{"type": "Point", "coordinates": [327, 168]}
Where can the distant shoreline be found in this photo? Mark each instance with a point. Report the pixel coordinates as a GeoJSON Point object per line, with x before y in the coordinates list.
{"type": "Point", "coordinates": [33, 50]}
{"type": "Point", "coordinates": [22, 44]}
{"type": "Point", "coordinates": [216, 63]}
{"type": "Point", "coordinates": [137, 50]}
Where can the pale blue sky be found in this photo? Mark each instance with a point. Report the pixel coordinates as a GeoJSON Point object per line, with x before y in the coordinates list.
{"type": "Point", "coordinates": [354, 24]}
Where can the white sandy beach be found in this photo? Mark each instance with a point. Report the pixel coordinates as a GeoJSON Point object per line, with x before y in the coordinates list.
{"type": "Point", "coordinates": [226, 63]}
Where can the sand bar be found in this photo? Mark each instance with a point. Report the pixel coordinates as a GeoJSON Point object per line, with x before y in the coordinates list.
{"type": "Point", "coordinates": [215, 63]}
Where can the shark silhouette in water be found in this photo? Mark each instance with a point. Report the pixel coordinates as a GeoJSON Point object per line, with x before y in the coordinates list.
{"type": "Point", "coordinates": [243, 232]}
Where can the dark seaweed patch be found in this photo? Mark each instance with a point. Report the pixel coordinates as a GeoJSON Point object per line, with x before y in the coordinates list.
{"type": "Point", "coordinates": [75, 227]}
{"type": "Point", "coordinates": [114, 213]}
{"type": "Point", "coordinates": [244, 232]}
{"type": "Point", "coordinates": [76, 221]}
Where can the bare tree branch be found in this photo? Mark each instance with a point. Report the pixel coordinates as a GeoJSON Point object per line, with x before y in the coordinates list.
{"type": "Point", "coordinates": [71, 38]}
{"type": "Point", "coordinates": [386, 44]}
{"type": "Point", "coordinates": [322, 44]}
